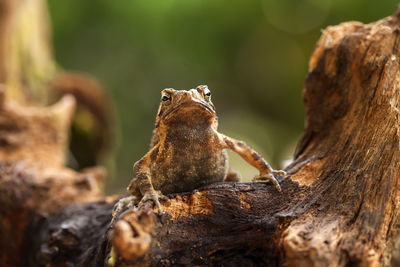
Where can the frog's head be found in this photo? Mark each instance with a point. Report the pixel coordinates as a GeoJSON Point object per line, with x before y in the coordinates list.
{"type": "Point", "coordinates": [186, 107]}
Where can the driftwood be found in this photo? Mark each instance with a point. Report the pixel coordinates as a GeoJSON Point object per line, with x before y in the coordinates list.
{"type": "Point", "coordinates": [339, 207]}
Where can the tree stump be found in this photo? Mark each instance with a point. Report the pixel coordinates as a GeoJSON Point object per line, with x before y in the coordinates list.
{"type": "Point", "coordinates": [339, 207]}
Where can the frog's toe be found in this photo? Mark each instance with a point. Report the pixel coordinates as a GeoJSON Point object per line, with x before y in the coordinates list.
{"type": "Point", "coordinates": [126, 202]}
{"type": "Point", "coordinates": [279, 173]}
{"type": "Point", "coordinates": [154, 196]}
{"type": "Point", "coordinates": [267, 177]}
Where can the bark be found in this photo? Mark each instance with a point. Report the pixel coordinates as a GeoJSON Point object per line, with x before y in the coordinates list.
{"type": "Point", "coordinates": [339, 207]}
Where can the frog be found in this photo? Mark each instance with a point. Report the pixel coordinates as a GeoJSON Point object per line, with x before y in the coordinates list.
{"type": "Point", "coordinates": [187, 151]}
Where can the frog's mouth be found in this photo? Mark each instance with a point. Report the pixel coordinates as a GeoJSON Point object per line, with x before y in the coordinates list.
{"type": "Point", "coordinates": [188, 107]}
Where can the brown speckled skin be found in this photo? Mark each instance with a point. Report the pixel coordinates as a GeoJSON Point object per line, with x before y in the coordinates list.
{"type": "Point", "coordinates": [186, 150]}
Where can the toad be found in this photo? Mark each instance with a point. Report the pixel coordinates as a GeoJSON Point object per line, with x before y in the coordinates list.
{"type": "Point", "coordinates": [187, 151]}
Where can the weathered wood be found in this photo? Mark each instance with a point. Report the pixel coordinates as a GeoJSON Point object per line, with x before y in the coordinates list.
{"type": "Point", "coordinates": [352, 136]}
{"type": "Point", "coordinates": [33, 179]}
{"type": "Point", "coordinates": [222, 223]}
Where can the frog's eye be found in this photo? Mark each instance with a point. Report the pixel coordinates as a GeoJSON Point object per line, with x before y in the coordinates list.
{"type": "Point", "coordinates": [166, 98]}
{"type": "Point", "coordinates": [207, 94]}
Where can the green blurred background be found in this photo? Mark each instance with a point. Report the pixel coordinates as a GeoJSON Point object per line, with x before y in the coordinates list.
{"type": "Point", "coordinates": [253, 55]}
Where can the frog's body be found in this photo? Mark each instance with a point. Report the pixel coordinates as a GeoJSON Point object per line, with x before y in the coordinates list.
{"type": "Point", "coordinates": [186, 151]}
{"type": "Point", "coordinates": [189, 165]}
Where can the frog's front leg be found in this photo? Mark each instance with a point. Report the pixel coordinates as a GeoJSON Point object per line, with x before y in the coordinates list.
{"type": "Point", "coordinates": [142, 184]}
{"type": "Point", "coordinates": [139, 188]}
{"type": "Point", "coordinates": [254, 159]}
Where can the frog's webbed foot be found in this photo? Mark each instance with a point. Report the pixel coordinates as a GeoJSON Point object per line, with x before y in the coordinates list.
{"type": "Point", "coordinates": [154, 196]}
{"type": "Point", "coordinates": [269, 177]}
{"type": "Point", "coordinates": [126, 202]}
